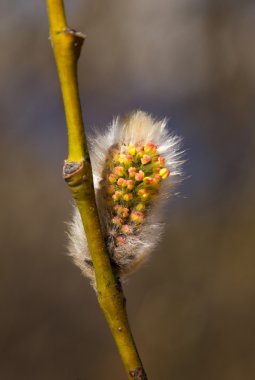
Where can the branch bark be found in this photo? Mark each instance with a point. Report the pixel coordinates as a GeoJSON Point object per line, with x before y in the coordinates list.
{"type": "Point", "coordinates": [77, 173]}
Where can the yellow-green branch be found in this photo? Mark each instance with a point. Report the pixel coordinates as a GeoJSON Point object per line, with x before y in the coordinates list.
{"type": "Point", "coordinates": [67, 45]}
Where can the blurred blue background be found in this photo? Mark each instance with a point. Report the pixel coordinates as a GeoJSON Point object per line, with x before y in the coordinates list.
{"type": "Point", "coordinates": [192, 307]}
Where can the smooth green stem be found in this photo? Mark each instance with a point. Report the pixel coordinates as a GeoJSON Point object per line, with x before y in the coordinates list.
{"type": "Point", "coordinates": [67, 45]}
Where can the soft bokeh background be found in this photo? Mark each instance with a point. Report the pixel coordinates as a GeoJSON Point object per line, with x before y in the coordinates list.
{"type": "Point", "coordinates": [192, 307]}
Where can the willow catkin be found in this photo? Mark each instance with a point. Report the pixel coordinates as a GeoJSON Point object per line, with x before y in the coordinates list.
{"type": "Point", "coordinates": [136, 166]}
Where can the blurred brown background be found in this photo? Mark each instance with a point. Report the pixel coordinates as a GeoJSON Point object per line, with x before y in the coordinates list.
{"type": "Point", "coordinates": [192, 307]}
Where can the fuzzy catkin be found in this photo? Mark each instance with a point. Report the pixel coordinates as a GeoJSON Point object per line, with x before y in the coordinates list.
{"type": "Point", "coordinates": [136, 165]}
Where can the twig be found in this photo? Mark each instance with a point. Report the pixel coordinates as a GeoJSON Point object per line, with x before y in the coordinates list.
{"type": "Point", "coordinates": [77, 171]}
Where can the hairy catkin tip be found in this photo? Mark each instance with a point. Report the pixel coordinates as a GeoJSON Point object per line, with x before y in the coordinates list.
{"type": "Point", "coordinates": [137, 164]}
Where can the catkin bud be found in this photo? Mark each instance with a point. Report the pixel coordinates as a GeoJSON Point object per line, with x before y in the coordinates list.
{"type": "Point", "coordinates": [132, 161]}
